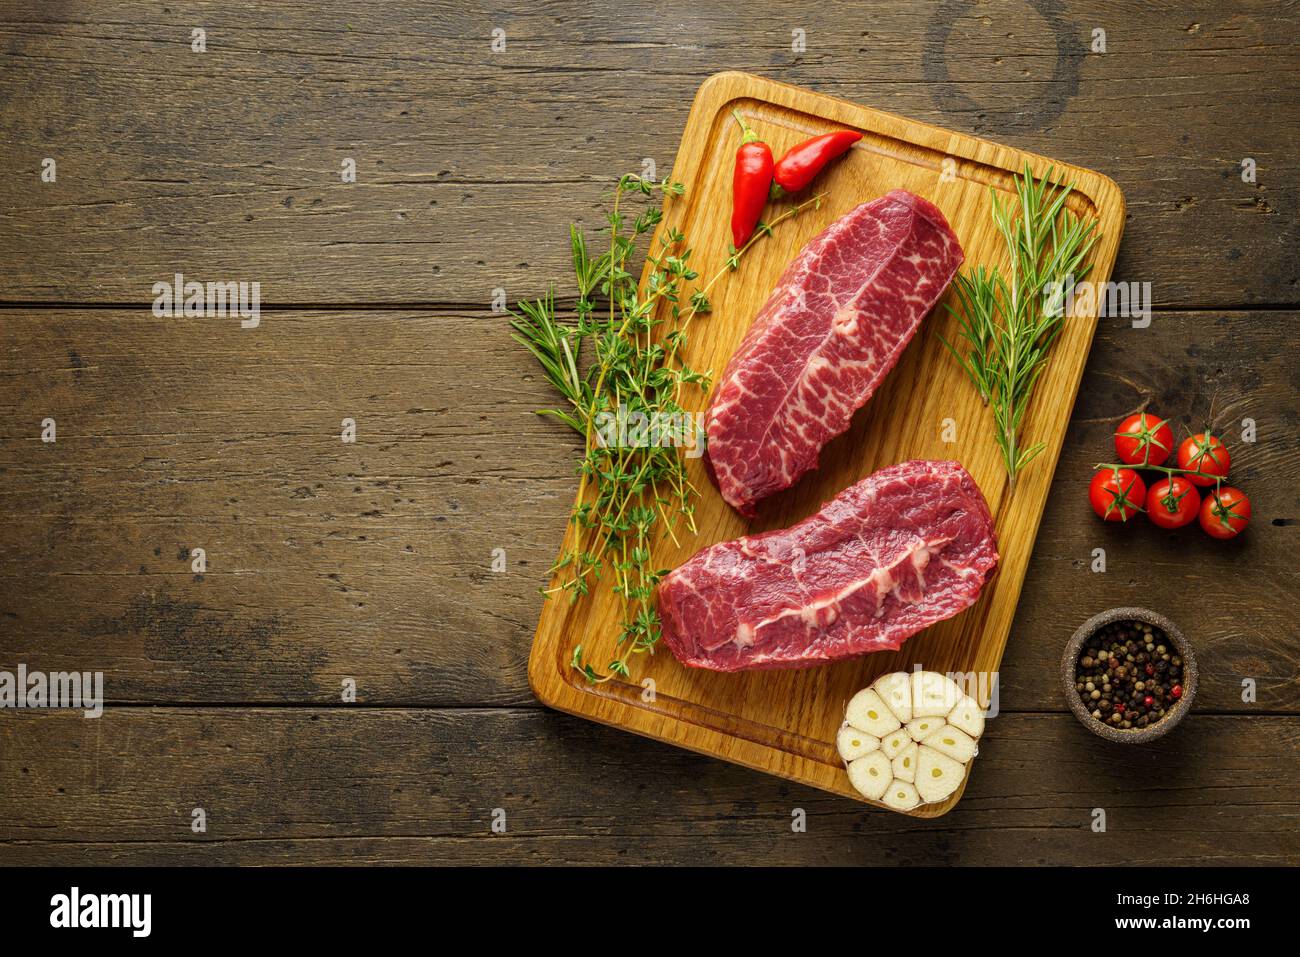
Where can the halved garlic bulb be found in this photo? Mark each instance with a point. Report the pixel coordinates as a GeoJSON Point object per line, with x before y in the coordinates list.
{"type": "Point", "coordinates": [907, 740]}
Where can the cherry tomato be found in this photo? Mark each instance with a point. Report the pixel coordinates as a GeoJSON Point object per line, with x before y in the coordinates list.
{"type": "Point", "coordinates": [1117, 494]}
{"type": "Point", "coordinates": [1225, 512]}
{"type": "Point", "coordinates": [1173, 502]}
{"type": "Point", "coordinates": [1143, 439]}
{"type": "Point", "coordinates": [1205, 455]}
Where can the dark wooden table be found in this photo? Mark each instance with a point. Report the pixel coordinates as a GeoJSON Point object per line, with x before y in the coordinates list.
{"type": "Point", "coordinates": [371, 562]}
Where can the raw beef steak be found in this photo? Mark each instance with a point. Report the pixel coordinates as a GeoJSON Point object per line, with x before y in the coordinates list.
{"type": "Point", "coordinates": [887, 557]}
{"type": "Point", "coordinates": [840, 317]}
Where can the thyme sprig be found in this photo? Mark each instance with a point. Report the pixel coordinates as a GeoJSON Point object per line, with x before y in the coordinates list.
{"type": "Point", "coordinates": [1010, 319]}
{"type": "Point", "coordinates": [629, 491]}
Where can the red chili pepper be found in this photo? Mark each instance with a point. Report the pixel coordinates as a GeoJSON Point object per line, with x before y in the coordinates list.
{"type": "Point", "coordinates": [750, 184]}
{"type": "Point", "coordinates": [803, 162]}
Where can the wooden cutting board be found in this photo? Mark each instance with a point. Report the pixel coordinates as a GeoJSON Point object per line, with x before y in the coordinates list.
{"type": "Point", "coordinates": [784, 722]}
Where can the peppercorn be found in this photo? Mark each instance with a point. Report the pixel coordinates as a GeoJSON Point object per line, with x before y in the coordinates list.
{"type": "Point", "coordinates": [1129, 677]}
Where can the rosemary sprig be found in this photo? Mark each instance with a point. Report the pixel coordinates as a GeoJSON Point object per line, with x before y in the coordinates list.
{"type": "Point", "coordinates": [1010, 320]}
{"type": "Point", "coordinates": [629, 491]}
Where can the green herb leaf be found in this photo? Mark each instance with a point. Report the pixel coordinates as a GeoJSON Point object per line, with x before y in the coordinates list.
{"type": "Point", "coordinates": [1008, 319]}
{"type": "Point", "coordinates": [630, 493]}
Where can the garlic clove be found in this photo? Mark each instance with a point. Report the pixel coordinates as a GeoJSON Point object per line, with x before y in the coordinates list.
{"type": "Point", "coordinates": [901, 796]}
{"type": "Point", "coordinates": [853, 744]}
{"type": "Point", "coordinates": [968, 715]}
{"type": "Point", "coordinates": [870, 775]}
{"type": "Point", "coordinates": [905, 763]}
{"type": "Point", "coordinates": [933, 694]}
{"type": "Point", "coordinates": [922, 728]}
{"type": "Point", "coordinates": [868, 713]}
{"type": "Point", "coordinates": [895, 689]}
{"type": "Point", "coordinates": [953, 742]}
{"type": "Point", "coordinates": [894, 742]}
{"type": "Point", "coordinates": [937, 775]}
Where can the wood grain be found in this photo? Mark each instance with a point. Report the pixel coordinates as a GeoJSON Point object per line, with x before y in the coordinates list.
{"type": "Point", "coordinates": [326, 560]}
{"type": "Point", "coordinates": [784, 721]}
{"type": "Point", "coordinates": [339, 786]}
{"type": "Point", "coordinates": [182, 433]}
{"type": "Point", "coordinates": [226, 164]}
{"type": "Point", "coordinates": [1233, 599]}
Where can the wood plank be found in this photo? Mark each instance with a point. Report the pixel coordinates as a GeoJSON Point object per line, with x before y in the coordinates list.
{"type": "Point", "coordinates": [1234, 599]}
{"type": "Point", "coordinates": [419, 787]}
{"type": "Point", "coordinates": [182, 433]}
{"type": "Point", "coordinates": [471, 163]}
{"type": "Point", "coordinates": [326, 560]}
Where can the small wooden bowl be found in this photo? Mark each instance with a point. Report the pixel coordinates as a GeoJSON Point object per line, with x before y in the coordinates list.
{"type": "Point", "coordinates": [1071, 658]}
